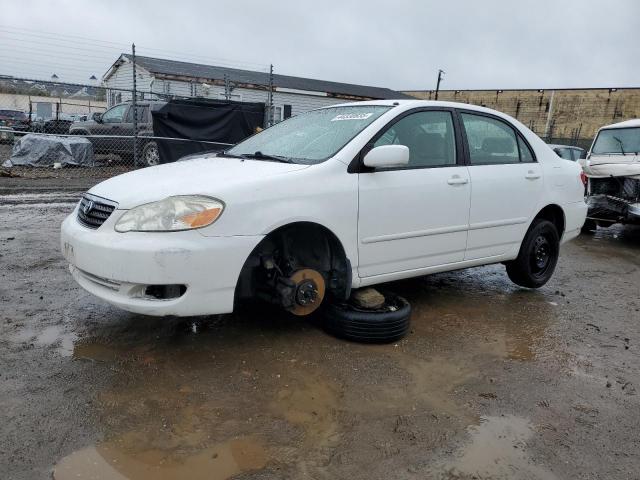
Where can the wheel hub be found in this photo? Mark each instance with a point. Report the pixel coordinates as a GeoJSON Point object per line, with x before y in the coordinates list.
{"type": "Point", "coordinates": [541, 252]}
{"type": "Point", "coordinates": [309, 291]}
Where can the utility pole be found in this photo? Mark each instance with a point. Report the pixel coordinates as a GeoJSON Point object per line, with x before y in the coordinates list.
{"type": "Point", "coordinates": [440, 74]}
{"type": "Point", "coordinates": [134, 107]}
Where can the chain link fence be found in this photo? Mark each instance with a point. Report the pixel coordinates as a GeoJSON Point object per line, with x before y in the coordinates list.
{"type": "Point", "coordinates": [71, 130]}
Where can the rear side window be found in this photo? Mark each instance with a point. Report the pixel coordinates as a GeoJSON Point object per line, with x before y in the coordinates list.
{"type": "Point", "coordinates": [564, 153]}
{"type": "Point", "coordinates": [143, 114]}
{"type": "Point", "coordinates": [526, 155]}
{"type": "Point", "coordinates": [490, 141]}
{"type": "Point", "coordinates": [429, 135]}
{"type": "Point", "coordinates": [578, 153]}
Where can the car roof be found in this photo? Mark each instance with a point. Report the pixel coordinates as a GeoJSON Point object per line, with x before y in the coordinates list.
{"type": "Point", "coordinates": [407, 104]}
{"type": "Point", "coordinates": [555, 145]}
{"type": "Point", "coordinates": [626, 124]}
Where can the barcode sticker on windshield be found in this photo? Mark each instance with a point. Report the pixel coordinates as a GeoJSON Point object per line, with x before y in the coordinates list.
{"type": "Point", "coordinates": [351, 116]}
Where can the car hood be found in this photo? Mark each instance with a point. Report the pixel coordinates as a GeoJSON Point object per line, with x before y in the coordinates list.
{"type": "Point", "coordinates": [611, 165]}
{"type": "Point", "coordinates": [85, 123]}
{"type": "Point", "coordinates": [197, 176]}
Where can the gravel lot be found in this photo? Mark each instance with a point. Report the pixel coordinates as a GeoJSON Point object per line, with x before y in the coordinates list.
{"type": "Point", "coordinates": [493, 381]}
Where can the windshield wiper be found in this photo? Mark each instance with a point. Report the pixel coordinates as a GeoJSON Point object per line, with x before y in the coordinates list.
{"type": "Point", "coordinates": [263, 156]}
{"type": "Point", "coordinates": [229, 155]}
{"type": "Point", "coordinates": [621, 144]}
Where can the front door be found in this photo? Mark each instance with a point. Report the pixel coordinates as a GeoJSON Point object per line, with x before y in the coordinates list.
{"type": "Point", "coordinates": [507, 185]}
{"type": "Point", "coordinates": [110, 129]}
{"type": "Point", "coordinates": [416, 216]}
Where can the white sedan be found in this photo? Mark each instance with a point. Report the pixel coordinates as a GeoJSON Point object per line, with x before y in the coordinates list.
{"type": "Point", "coordinates": [325, 202]}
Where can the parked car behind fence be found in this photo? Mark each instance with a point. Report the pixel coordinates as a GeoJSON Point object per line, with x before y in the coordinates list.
{"type": "Point", "coordinates": [112, 132]}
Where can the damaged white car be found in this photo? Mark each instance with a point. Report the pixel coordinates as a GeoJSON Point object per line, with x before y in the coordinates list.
{"type": "Point", "coordinates": [333, 199]}
{"type": "Point", "coordinates": [613, 168]}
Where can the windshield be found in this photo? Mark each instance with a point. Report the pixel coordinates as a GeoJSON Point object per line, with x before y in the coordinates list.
{"type": "Point", "coordinates": [617, 140]}
{"type": "Point", "coordinates": [312, 137]}
{"type": "Point", "coordinates": [16, 114]}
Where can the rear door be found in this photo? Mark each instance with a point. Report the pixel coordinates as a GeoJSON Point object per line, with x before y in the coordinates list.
{"type": "Point", "coordinates": [415, 216]}
{"type": "Point", "coordinates": [506, 184]}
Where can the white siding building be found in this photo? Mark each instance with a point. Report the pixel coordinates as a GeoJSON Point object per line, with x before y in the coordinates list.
{"type": "Point", "coordinates": [159, 78]}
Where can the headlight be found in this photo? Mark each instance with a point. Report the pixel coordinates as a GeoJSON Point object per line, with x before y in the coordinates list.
{"type": "Point", "coordinates": [171, 214]}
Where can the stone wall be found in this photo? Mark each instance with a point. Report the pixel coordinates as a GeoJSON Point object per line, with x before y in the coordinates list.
{"type": "Point", "coordinates": [559, 116]}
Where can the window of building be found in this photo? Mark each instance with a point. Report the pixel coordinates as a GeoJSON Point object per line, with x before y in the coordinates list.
{"type": "Point", "coordinates": [429, 136]}
{"type": "Point", "coordinates": [277, 114]}
{"type": "Point", "coordinates": [491, 141]}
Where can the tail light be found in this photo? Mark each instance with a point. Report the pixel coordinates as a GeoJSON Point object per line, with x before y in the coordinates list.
{"type": "Point", "coordinates": [583, 178]}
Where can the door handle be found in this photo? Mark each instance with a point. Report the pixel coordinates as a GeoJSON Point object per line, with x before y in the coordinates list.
{"type": "Point", "coordinates": [531, 175]}
{"type": "Point", "coordinates": [457, 180]}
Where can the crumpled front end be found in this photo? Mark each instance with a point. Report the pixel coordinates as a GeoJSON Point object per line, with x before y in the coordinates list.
{"type": "Point", "coordinates": [614, 200]}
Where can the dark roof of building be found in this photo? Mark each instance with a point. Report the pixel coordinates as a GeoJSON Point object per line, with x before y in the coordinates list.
{"type": "Point", "coordinates": [196, 70]}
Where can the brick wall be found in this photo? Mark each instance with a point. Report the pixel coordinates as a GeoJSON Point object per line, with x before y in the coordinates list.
{"type": "Point", "coordinates": [559, 116]}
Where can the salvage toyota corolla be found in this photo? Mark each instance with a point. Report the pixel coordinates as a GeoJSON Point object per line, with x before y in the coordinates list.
{"type": "Point", "coordinates": [333, 199]}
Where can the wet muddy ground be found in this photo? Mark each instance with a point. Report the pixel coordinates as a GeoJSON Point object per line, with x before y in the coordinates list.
{"type": "Point", "coordinates": [493, 381]}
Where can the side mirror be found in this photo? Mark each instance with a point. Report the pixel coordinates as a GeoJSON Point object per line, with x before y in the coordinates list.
{"type": "Point", "coordinates": [387, 156]}
{"type": "Point", "coordinates": [97, 116]}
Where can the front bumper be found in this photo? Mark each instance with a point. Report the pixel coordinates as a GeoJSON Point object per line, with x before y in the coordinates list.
{"type": "Point", "coordinates": [117, 267]}
{"type": "Point", "coordinates": [608, 208]}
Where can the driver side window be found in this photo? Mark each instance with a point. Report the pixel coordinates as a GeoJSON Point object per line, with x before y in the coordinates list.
{"type": "Point", "coordinates": [115, 114]}
{"type": "Point", "coordinates": [429, 135]}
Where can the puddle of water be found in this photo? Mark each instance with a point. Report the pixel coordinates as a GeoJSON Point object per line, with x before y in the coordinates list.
{"type": "Point", "coordinates": [510, 326]}
{"type": "Point", "coordinates": [94, 351]}
{"type": "Point", "coordinates": [49, 336]}
{"type": "Point", "coordinates": [497, 449]}
{"type": "Point", "coordinates": [111, 462]}
{"type": "Point", "coordinates": [312, 406]}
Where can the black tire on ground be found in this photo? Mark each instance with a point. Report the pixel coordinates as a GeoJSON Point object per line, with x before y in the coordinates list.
{"type": "Point", "coordinates": [538, 256]}
{"type": "Point", "coordinates": [589, 226]}
{"type": "Point", "coordinates": [388, 324]}
{"type": "Point", "coordinates": [150, 155]}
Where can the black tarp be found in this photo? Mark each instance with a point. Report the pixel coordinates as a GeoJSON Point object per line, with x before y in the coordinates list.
{"type": "Point", "coordinates": [203, 120]}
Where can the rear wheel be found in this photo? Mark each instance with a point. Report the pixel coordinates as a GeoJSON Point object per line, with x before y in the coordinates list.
{"type": "Point", "coordinates": [538, 256]}
{"type": "Point", "coordinates": [150, 154]}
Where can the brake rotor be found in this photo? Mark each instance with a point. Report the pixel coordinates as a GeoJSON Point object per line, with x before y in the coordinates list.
{"type": "Point", "coordinates": [310, 288]}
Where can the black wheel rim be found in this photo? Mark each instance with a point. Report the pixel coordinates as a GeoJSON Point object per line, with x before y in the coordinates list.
{"type": "Point", "coordinates": [542, 254]}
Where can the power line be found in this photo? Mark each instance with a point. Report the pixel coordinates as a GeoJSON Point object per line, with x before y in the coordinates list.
{"type": "Point", "coordinates": [111, 45]}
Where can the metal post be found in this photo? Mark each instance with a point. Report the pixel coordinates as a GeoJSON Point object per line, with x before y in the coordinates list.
{"type": "Point", "coordinates": [440, 73]}
{"type": "Point", "coordinates": [549, 125]}
{"type": "Point", "coordinates": [227, 90]}
{"type": "Point", "coordinates": [134, 107]}
{"type": "Point", "coordinates": [269, 121]}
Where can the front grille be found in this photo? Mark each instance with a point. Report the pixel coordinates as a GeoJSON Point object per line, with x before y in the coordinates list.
{"type": "Point", "coordinates": [94, 211]}
{"type": "Point", "coordinates": [622, 187]}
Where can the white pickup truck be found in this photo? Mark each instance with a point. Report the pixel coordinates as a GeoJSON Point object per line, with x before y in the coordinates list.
{"type": "Point", "coordinates": [613, 168]}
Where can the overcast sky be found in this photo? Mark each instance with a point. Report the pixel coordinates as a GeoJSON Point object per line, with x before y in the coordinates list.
{"type": "Point", "coordinates": [395, 43]}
